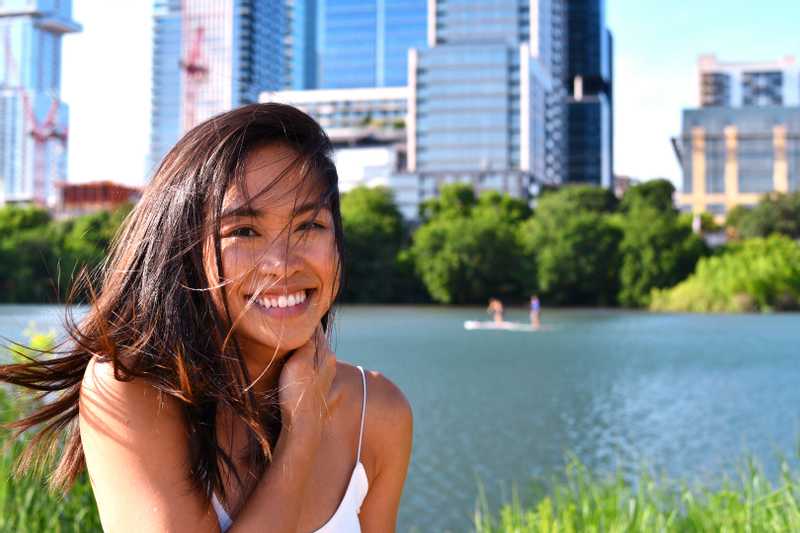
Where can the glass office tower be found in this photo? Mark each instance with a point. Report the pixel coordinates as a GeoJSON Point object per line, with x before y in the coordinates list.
{"type": "Point", "coordinates": [359, 43]}
{"type": "Point", "coordinates": [479, 94]}
{"type": "Point", "coordinates": [33, 119]}
{"type": "Point", "coordinates": [236, 48]}
{"type": "Point", "coordinates": [588, 84]}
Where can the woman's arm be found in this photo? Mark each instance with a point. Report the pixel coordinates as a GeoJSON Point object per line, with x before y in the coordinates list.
{"type": "Point", "coordinates": [387, 437]}
{"type": "Point", "coordinates": [138, 461]}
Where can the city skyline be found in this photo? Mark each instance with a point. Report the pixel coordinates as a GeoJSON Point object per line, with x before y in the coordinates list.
{"type": "Point", "coordinates": [655, 78]}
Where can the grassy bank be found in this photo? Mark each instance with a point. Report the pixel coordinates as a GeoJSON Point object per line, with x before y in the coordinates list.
{"type": "Point", "coordinates": [583, 502]}
{"type": "Point", "coordinates": [26, 505]}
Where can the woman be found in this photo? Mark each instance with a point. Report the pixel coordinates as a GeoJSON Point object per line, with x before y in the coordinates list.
{"type": "Point", "coordinates": [200, 390]}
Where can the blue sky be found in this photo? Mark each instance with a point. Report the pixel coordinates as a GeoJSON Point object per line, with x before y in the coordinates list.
{"type": "Point", "coordinates": [106, 76]}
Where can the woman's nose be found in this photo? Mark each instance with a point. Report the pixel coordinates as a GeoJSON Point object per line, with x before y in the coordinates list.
{"type": "Point", "coordinates": [278, 259]}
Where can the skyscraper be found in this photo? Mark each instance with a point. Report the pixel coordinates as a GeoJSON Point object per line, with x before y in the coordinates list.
{"type": "Point", "coordinates": [340, 44]}
{"type": "Point", "coordinates": [514, 88]}
{"type": "Point", "coordinates": [33, 119]}
{"type": "Point", "coordinates": [588, 84]}
{"type": "Point", "coordinates": [210, 56]}
{"type": "Point", "coordinates": [479, 102]}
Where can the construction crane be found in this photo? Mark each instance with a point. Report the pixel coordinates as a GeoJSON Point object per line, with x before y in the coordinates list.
{"type": "Point", "coordinates": [195, 72]}
{"type": "Point", "coordinates": [40, 132]}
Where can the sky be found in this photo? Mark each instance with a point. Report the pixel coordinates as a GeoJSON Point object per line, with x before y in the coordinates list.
{"type": "Point", "coordinates": [106, 76]}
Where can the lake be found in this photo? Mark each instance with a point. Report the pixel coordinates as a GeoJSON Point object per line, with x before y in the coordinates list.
{"type": "Point", "coordinates": [689, 395]}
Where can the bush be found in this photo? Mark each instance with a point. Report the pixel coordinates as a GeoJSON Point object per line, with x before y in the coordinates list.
{"type": "Point", "coordinates": [755, 275]}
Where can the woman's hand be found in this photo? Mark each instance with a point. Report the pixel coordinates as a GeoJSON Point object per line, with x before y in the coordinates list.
{"type": "Point", "coordinates": [305, 384]}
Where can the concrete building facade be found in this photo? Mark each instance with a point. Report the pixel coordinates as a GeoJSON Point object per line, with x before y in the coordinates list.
{"type": "Point", "coordinates": [733, 156]}
{"type": "Point", "coordinates": [34, 120]}
{"type": "Point", "coordinates": [372, 107]}
{"type": "Point", "coordinates": [744, 84]}
{"type": "Point", "coordinates": [744, 139]}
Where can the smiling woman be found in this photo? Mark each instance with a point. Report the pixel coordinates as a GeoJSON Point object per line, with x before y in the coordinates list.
{"type": "Point", "coordinates": [200, 390]}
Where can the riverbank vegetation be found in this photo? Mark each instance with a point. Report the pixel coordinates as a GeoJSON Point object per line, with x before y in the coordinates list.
{"type": "Point", "coordinates": [26, 503]}
{"type": "Point", "coordinates": [760, 274]}
{"type": "Point", "coordinates": [583, 501]}
{"type": "Point", "coordinates": [580, 245]}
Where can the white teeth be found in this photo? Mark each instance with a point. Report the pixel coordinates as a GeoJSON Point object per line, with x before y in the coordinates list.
{"type": "Point", "coordinates": [282, 300]}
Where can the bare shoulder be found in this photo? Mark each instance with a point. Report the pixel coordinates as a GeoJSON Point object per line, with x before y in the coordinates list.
{"type": "Point", "coordinates": [388, 423]}
{"type": "Point", "coordinates": [385, 401]}
{"type": "Point", "coordinates": [124, 409]}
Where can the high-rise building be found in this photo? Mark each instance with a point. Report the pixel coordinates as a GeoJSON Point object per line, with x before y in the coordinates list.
{"type": "Point", "coordinates": [589, 103]}
{"type": "Point", "coordinates": [733, 84]}
{"type": "Point", "coordinates": [354, 43]}
{"type": "Point", "coordinates": [33, 119]}
{"type": "Point", "coordinates": [513, 92]}
{"type": "Point", "coordinates": [479, 94]}
{"type": "Point", "coordinates": [744, 139]}
{"type": "Point", "coordinates": [210, 56]}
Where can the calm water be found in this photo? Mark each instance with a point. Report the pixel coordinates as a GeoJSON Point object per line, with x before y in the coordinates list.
{"type": "Point", "coordinates": [688, 394]}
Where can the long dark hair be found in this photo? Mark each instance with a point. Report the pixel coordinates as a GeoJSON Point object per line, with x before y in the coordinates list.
{"type": "Point", "coordinates": [151, 312]}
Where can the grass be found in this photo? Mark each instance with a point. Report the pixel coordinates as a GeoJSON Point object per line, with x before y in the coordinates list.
{"type": "Point", "coordinates": [583, 502]}
{"type": "Point", "coordinates": [26, 503]}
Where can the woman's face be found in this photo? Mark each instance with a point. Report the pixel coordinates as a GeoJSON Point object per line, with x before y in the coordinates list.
{"type": "Point", "coordinates": [279, 259]}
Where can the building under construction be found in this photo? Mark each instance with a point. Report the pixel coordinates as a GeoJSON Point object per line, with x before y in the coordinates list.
{"type": "Point", "coordinates": [210, 56]}
{"type": "Point", "coordinates": [33, 119]}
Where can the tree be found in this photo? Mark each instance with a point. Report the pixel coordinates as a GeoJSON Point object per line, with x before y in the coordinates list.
{"type": "Point", "coordinates": [576, 256]}
{"type": "Point", "coordinates": [468, 249]}
{"type": "Point", "coordinates": [775, 213]}
{"type": "Point", "coordinates": [577, 198]}
{"type": "Point", "coordinates": [657, 194]}
{"type": "Point", "coordinates": [658, 250]}
{"type": "Point", "coordinates": [374, 235]}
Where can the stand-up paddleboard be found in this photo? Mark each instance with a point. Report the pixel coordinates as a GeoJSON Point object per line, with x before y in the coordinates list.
{"type": "Point", "coordinates": [502, 326]}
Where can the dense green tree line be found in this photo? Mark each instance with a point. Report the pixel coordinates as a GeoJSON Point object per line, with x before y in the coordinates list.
{"type": "Point", "coordinates": [39, 256]}
{"type": "Point", "coordinates": [579, 246]}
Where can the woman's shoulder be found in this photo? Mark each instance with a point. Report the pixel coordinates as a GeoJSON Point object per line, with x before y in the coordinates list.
{"type": "Point", "coordinates": [125, 408]}
{"type": "Point", "coordinates": [384, 398]}
{"type": "Point", "coordinates": [388, 424]}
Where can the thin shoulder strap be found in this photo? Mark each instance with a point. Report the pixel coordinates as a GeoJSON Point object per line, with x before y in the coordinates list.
{"type": "Point", "coordinates": [363, 413]}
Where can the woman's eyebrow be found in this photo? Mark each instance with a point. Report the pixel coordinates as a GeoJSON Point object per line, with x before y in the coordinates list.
{"type": "Point", "coordinates": [245, 210]}
{"type": "Point", "coordinates": [310, 206]}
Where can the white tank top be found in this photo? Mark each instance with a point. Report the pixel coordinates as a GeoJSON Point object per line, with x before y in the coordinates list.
{"type": "Point", "coordinates": [345, 518]}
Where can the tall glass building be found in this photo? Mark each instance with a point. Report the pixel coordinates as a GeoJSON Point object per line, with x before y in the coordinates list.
{"type": "Point", "coordinates": [354, 43]}
{"type": "Point", "coordinates": [520, 88]}
{"type": "Point", "coordinates": [210, 56]}
{"type": "Point", "coordinates": [588, 84]}
{"type": "Point", "coordinates": [33, 119]}
{"type": "Point", "coordinates": [479, 105]}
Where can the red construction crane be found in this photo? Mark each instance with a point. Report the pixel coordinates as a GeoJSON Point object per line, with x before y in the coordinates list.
{"type": "Point", "coordinates": [195, 72]}
{"type": "Point", "coordinates": [40, 132]}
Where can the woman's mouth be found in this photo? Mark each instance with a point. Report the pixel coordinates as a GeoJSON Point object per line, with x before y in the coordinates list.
{"type": "Point", "coordinates": [282, 305]}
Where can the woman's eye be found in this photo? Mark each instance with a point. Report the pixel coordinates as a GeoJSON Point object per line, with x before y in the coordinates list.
{"type": "Point", "coordinates": [243, 232]}
{"type": "Point", "coordinates": [311, 225]}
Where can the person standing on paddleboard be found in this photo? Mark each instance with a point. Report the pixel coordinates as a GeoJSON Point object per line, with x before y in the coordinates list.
{"type": "Point", "coordinates": [535, 312]}
{"type": "Point", "coordinates": [495, 308]}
